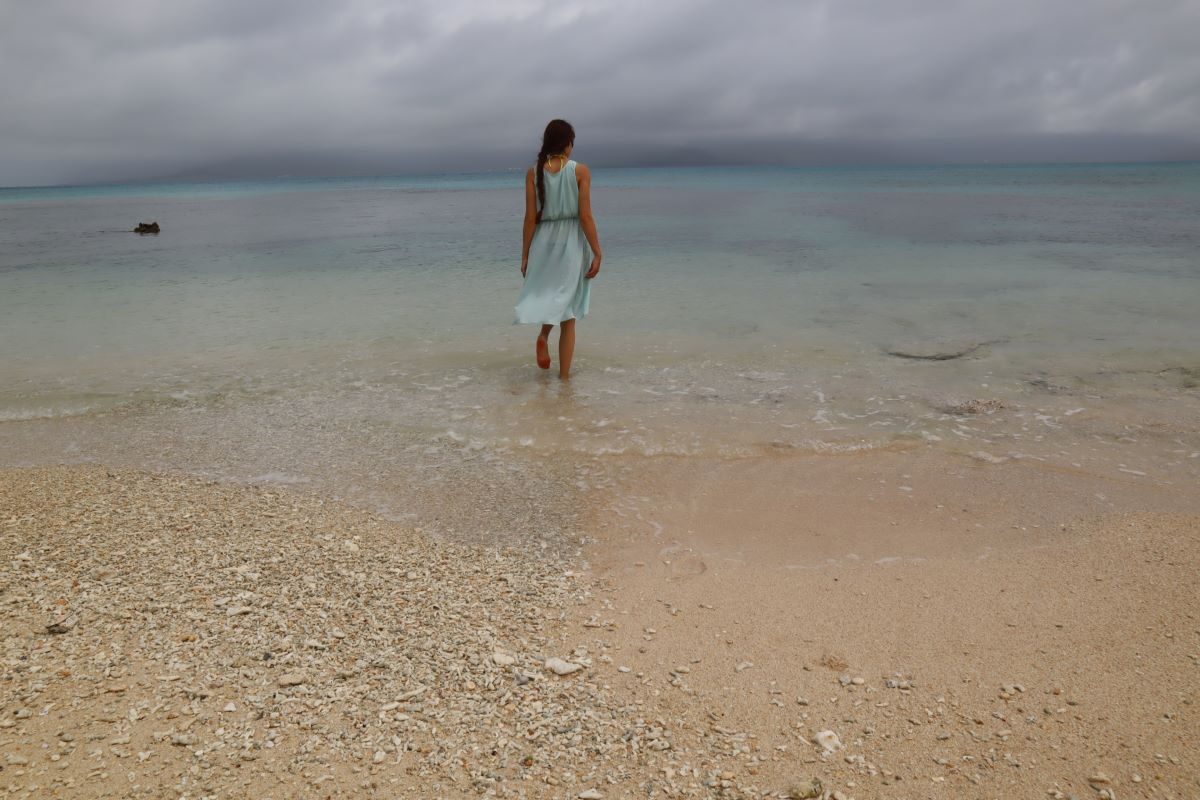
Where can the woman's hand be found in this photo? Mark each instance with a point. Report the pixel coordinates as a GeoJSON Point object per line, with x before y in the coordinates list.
{"type": "Point", "coordinates": [594, 270]}
{"type": "Point", "coordinates": [524, 266]}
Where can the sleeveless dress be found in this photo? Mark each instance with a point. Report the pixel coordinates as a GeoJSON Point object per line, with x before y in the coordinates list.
{"type": "Point", "coordinates": [559, 256]}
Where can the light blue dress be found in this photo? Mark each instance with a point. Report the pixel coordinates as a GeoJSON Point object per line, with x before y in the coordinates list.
{"type": "Point", "coordinates": [559, 256]}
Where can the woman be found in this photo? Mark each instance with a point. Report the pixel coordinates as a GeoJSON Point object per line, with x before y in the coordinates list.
{"type": "Point", "coordinates": [560, 251]}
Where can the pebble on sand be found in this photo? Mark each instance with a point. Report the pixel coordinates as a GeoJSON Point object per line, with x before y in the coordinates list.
{"type": "Point", "coordinates": [806, 790]}
{"type": "Point", "coordinates": [560, 667]}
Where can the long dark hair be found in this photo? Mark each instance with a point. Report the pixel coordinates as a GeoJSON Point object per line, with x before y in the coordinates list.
{"type": "Point", "coordinates": [559, 136]}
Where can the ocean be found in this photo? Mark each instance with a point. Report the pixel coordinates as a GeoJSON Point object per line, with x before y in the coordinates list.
{"type": "Point", "coordinates": [354, 335]}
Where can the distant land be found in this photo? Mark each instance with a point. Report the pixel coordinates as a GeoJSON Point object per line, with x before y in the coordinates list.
{"type": "Point", "coordinates": [347, 162]}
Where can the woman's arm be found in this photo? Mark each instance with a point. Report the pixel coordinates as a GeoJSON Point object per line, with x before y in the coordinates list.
{"type": "Point", "coordinates": [530, 220]}
{"type": "Point", "coordinates": [586, 220]}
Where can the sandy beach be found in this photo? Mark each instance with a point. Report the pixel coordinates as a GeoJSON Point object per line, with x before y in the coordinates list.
{"type": "Point", "coordinates": [965, 629]}
{"type": "Point", "coordinates": [902, 626]}
{"type": "Point", "coordinates": [599, 401]}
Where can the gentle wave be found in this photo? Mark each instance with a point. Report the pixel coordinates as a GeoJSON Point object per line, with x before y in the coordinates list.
{"type": "Point", "coordinates": [26, 414]}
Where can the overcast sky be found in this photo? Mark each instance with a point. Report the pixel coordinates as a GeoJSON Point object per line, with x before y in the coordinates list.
{"type": "Point", "coordinates": [126, 87]}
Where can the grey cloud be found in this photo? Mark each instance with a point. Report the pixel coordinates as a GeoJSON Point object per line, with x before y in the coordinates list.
{"type": "Point", "coordinates": [141, 88]}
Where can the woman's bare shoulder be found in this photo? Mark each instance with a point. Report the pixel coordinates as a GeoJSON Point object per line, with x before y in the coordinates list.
{"type": "Point", "coordinates": [582, 170]}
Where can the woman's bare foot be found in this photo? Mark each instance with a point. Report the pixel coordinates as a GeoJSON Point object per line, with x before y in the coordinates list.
{"type": "Point", "coordinates": [543, 353]}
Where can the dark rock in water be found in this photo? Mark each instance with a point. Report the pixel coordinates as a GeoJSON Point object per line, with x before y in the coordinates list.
{"type": "Point", "coordinates": [966, 407]}
{"type": "Point", "coordinates": [1188, 377]}
{"type": "Point", "coordinates": [1045, 385]}
{"type": "Point", "coordinates": [936, 351]}
{"type": "Point", "coordinates": [146, 227]}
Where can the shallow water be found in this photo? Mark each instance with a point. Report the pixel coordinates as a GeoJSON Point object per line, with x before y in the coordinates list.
{"type": "Point", "coordinates": [355, 335]}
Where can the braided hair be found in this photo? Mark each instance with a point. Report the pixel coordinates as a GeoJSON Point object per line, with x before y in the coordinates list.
{"type": "Point", "coordinates": [558, 137]}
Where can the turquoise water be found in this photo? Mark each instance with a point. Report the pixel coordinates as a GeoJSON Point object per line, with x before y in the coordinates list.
{"type": "Point", "coordinates": [356, 332]}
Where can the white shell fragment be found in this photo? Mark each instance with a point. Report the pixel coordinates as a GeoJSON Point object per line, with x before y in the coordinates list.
{"type": "Point", "coordinates": [829, 741]}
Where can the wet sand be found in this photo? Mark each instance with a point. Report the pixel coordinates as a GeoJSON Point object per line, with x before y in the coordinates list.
{"type": "Point", "coordinates": [964, 629]}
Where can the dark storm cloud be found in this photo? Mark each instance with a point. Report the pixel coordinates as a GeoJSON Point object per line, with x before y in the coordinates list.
{"type": "Point", "coordinates": [141, 87]}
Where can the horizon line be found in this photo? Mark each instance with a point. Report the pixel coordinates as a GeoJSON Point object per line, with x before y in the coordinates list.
{"type": "Point", "coordinates": [166, 181]}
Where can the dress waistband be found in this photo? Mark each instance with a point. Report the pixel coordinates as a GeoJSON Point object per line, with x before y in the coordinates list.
{"type": "Point", "coordinates": [557, 219]}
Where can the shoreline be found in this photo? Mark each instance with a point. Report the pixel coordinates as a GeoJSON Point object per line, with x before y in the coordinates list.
{"type": "Point", "coordinates": [973, 647]}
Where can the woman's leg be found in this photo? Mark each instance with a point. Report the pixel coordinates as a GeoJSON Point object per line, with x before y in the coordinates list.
{"type": "Point", "coordinates": [542, 348]}
{"type": "Point", "coordinates": [566, 347]}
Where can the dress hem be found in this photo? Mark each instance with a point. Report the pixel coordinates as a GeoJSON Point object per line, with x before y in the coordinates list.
{"type": "Point", "coordinates": [546, 322]}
